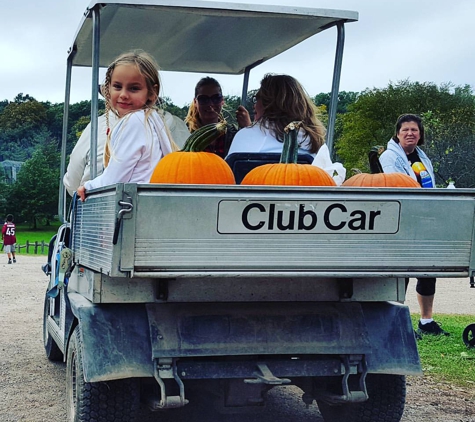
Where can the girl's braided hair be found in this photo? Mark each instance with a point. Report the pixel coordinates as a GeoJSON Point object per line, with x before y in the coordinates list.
{"type": "Point", "coordinates": [148, 68]}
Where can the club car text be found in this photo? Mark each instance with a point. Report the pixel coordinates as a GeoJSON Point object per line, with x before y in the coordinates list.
{"type": "Point", "coordinates": [242, 216]}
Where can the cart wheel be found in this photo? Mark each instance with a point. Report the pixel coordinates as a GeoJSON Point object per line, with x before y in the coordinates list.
{"type": "Point", "coordinates": [468, 335]}
{"type": "Point", "coordinates": [387, 395]}
{"type": "Point", "coordinates": [116, 400]}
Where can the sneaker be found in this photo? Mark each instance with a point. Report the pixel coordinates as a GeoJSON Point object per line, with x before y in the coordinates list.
{"type": "Point", "coordinates": [9, 261]}
{"type": "Point", "coordinates": [432, 328]}
{"type": "Point", "coordinates": [14, 260]}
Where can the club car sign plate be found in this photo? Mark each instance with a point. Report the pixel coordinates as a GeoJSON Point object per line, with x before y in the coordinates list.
{"type": "Point", "coordinates": [274, 217]}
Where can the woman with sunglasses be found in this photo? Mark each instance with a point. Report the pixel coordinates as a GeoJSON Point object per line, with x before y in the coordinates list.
{"type": "Point", "coordinates": [206, 108]}
{"type": "Point", "coordinates": [281, 99]}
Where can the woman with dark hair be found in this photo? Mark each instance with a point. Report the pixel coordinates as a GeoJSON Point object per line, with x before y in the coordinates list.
{"type": "Point", "coordinates": [403, 155]}
{"type": "Point", "coordinates": [206, 108]}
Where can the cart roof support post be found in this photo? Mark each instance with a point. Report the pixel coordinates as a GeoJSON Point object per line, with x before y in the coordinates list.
{"type": "Point", "coordinates": [335, 85]}
{"type": "Point", "coordinates": [96, 36]}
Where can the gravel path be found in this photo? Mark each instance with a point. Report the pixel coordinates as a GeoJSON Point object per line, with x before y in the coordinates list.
{"type": "Point", "coordinates": [32, 389]}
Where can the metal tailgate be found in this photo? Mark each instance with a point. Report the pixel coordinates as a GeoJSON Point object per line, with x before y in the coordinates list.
{"type": "Point", "coordinates": [188, 230]}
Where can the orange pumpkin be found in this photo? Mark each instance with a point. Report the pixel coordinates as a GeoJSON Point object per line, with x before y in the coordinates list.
{"type": "Point", "coordinates": [192, 165]}
{"type": "Point", "coordinates": [382, 180]}
{"type": "Point", "coordinates": [288, 172]}
{"type": "Point", "coordinates": [288, 175]}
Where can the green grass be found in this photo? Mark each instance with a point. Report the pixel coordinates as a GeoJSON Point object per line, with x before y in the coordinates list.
{"type": "Point", "coordinates": [447, 359]}
{"type": "Point", "coordinates": [43, 233]}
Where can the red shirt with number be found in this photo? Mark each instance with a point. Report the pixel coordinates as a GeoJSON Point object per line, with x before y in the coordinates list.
{"type": "Point", "coordinates": [8, 233]}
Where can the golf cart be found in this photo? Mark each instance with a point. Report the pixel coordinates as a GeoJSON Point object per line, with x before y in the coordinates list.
{"type": "Point", "coordinates": [156, 290]}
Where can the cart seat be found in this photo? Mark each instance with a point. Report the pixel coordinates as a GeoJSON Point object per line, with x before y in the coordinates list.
{"type": "Point", "coordinates": [242, 163]}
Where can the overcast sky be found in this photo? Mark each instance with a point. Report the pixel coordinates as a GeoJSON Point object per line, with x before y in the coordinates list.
{"type": "Point", "coordinates": [419, 40]}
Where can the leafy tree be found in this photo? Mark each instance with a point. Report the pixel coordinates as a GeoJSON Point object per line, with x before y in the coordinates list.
{"type": "Point", "coordinates": [450, 143]}
{"type": "Point", "coordinates": [370, 119]}
{"type": "Point", "coordinates": [79, 126]}
{"type": "Point", "coordinates": [4, 194]}
{"type": "Point", "coordinates": [29, 114]}
{"type": "Point", "coordinates": [167, 104]}
{"type": "Point", "coordinates": [54, 117]}
{"type": "Point", "coordinates": [345, 98]}
{"type": "Point", "coordinates": [34, 195]}
{"type": "Point", "coordinates": [3, 104]}
{"type": "Point", "coordinates": [21, 122]}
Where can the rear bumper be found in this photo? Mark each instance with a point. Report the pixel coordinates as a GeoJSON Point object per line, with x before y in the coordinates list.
{"type": "Point", "coordinates": [221, 340]}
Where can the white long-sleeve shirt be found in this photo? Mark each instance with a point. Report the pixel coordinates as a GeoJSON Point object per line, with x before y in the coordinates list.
{"type": "Point", "coordinates": [259, 139]}
{"type": "Point", "coordinates": [394, 160]}
{"type": "Point", "coordinates": [137, 145]}
{"type": "Point", "coordinates": [79, 171]}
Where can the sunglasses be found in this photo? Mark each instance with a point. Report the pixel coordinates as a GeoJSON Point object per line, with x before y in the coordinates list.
{"type": "Point", "coordinates": [255, 98]}
{"type": "Point", "coordinates": [215, 99]}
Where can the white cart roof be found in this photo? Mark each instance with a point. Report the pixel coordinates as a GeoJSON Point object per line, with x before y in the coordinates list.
{"type": "Point", "coordinates": [199, 36]}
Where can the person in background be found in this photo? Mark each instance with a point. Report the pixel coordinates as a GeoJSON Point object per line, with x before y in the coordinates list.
{"type": "Point", "coordinates": [280, 100]}
{"type": "Point", "coordinates": [140, 138]}
{"type": "Point", "coordinates": [403, 155]}
{"type": "Point", "coordinates": [9, 238]}
{"type": "Point", "coordinates": [206, 108]}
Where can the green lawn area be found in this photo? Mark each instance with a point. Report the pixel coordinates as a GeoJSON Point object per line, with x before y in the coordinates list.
{"type": "Point", "coordinates": [447, 358]}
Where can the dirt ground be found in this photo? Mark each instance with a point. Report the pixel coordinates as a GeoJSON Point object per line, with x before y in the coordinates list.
{"type": "Point", "coordinates": [32, 389]}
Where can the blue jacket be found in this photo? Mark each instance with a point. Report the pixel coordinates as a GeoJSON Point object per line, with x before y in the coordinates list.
{"type": "Point", "coordinates": [394, 160]}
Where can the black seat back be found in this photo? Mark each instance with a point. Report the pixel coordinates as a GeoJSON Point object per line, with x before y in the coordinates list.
{"type": "Point", "coordinates": [242, 163]}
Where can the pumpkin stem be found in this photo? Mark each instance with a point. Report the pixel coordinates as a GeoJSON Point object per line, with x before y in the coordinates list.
{"type": "Point", "coordinates": [290, 149]}
{"type": "Point", "coordinates": [204, 136]}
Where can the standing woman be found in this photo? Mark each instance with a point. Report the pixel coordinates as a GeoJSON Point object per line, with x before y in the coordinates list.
{"type": "Point", "coordinates": [403, 155]}
{"type": "Point", "coordinates": [140, 138]}
{"type": "Point", "coordinates": [206, 108]}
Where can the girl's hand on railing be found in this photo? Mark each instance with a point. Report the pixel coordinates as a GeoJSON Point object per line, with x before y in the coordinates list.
{"type": "Point", "coordinates": [82, 193]}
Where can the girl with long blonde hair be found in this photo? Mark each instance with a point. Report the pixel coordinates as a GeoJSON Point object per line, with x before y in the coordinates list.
{"type": "Point", "coordinates": [140, 138]}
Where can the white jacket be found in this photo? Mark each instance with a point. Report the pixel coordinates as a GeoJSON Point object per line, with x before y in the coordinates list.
{"type": "Point", "coordinates": [79, 171]}
{"type": "Point", "coordinates": [394, 160]}
{"type": "Point", "coordinates": [259, 139]}
{"type": "Point", "coordinates": [137, 145]}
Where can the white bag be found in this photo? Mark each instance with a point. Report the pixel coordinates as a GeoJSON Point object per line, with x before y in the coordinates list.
{"type": "Point", "coordinates": [335, 170]}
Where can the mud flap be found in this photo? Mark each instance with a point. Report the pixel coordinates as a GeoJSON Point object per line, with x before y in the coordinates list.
{"type": "Point", "coordinates": [393, 345]}
{"type": "Point", "coordinates": [115, 339]}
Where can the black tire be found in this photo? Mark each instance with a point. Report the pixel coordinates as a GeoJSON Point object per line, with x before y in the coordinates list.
{"type": "Point", "coordinates": [53, 352]}
{"type": "Point", "coordinates": [468, 336]}
{"type": "Point", "coordinates": [116, 401]}
{"type": "Point", "coordinates": [387, 395]}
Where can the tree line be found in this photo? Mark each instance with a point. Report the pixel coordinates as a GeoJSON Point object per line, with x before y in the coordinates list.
{"type": "Point", "coordinates": [30, 132]}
